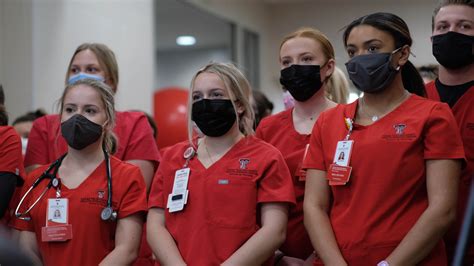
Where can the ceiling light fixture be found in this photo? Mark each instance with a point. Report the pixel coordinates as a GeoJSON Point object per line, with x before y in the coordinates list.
{"type": "Point", "coordinates": [185, 40]}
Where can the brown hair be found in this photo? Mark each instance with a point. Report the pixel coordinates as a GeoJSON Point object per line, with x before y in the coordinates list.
{"type": "Point", "coordinates": [3, 112]}
{"type": "Point", "coordinates": [107, 61]}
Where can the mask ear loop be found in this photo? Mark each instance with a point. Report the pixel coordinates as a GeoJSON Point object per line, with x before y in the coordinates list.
{"type": "Point", "coordinates": [394, 52]}
{"type": "Point", "coordinates": [321, 67]}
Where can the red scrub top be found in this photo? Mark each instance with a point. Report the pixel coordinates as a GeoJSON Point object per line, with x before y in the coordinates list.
{"type": "Point", "coordinates": [279, 131]}
{"type": "Point", "coordinates": [464, 114]}
{"type": "Point", "coordinates": [92, 238]}
{"type": "Point", "coordinates": [11, 161]}
{"type": "Point", "coordinates": [386, 193]}
{"type": "Point", "coordinates": [222, 211]}
{"type": "Point", "coordinates": [134, 134]}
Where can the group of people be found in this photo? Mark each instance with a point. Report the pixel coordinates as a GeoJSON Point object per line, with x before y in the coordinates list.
{"type": "Point", "coordinates": [380, 181]}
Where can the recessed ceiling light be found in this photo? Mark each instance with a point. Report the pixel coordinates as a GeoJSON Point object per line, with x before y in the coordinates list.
{"type": "Point", "coordinates": [185, 40]}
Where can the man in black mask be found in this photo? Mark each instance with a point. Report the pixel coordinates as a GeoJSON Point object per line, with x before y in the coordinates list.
{"type": "Point", "coordinates": [452, 39]}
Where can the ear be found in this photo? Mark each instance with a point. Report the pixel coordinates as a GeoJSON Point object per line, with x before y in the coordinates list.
{"type": "Point", "coordinates": [403, 55]}
{"type": "Point", "coordinates": [328, 69]}
{"type": "Point", "coordinates": [239, 108]}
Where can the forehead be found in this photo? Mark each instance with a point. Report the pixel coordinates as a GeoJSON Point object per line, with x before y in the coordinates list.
{"type": "Point", "coordinates": [82, 95]}
{"type": "Point", "coordinates": [206, 80]}
{"type": "Point", "coordinates": [452, 13]}
{"type": "Point", "coordinates": [85, 57]}
{"type": "Point", "coordinates": [364, 33]}
{"type": "Point", "coordinates": [300, 45]}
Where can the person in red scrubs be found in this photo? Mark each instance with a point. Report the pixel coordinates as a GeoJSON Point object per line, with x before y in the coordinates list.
{"type": "Point", "coordinates": [453, 39]}
{"type": "Point", "coordinates": [219, 199]}
{"type": "Point", "coordinates": [136, 144]}
{"type": "Point", "coordinates": [307, 64]}
{"type": "Point", "coordinates": [68, 226]}
{"type": "Point", "coordinates": [12, 171]}
{"type": "Point", "coordinates": [392, 198]}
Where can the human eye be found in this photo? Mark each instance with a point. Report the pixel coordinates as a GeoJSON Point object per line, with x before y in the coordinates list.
{"type": "Point", "coordinates": [217, 95]}
{"type": "Point", "coordinates": [350, 52]}
{"type": "Point", "coordinates": [92, 70]}
{"type": "Point", "coordinates": [307, 59]}
{"type": "Point", "coordinates": [74, 70]}
{"type": "Point", "coordinates": [197, 97]}
{"type": "Point", "coordinates": [90, 110]}
{"type": "Point", "coordinates": [441, 27]}
{"type": "Point", "coordinates": [372, 49]}
{"type": "Point", "coordinates": [69, 109]}
{"type": "Point", "coordinates": [466, 26]}
{"type": "Point", "coordinates": [285, 62]}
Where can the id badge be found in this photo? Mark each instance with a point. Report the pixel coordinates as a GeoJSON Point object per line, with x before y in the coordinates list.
{"type": "Point", "coordinates": [179, 195]}
{"type": "Point", "coordinates": [57, 227]}
{"type": "Point", "coordinates": [338, 175]}
{"type": "Point", "coordinates": [343, 152]}
{"type": "Point", "coordinates": [339, 171]}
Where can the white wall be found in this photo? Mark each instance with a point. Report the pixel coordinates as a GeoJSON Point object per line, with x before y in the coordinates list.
{"type": "Point", "coordinates": [255, 16]}
{"type": "Point", "coordinates": [195, 59]}
{"type": "Point", "coordinates": [38, 37]}
{"type": "Point", "coordinates": [16, 55]}
{"type": "Point", "coordinates": [51, 31]}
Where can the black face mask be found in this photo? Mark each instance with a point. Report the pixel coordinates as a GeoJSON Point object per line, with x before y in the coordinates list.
{"type": "Point", "coordinates": [453, 50]}
{"type": "Point", "coordinates": [214, 117]}
{"type": "Point", "coordinates": [79, 132]}
{"type": "Point", "coordinates": [372, 73]}
{"type": "Point", "coordinates": [302, 81]}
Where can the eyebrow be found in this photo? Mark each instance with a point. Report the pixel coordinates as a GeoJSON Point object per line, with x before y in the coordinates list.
{"type": "Point", "coordinates": [87, 105]}
{"type": "Point", "coordinates": [457, 21]}
{"type": "Point", "coordinates": [366, 42]}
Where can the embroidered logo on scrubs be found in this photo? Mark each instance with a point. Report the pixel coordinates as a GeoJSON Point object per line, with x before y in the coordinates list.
{"type": "Point", "coordinates": [244, 163]}
{"type": "Point", "coordinates": [399, 128]}
{"type": "Point", "coordinates": [100, 194]}
{"type": "Point", "coordinates": [402, 133]}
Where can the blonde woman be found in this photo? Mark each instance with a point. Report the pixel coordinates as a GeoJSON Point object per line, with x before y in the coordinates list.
{"type": "Point", "coordinates": [308, 73]}
{"type": "Point", "coordinates": [220, 199]}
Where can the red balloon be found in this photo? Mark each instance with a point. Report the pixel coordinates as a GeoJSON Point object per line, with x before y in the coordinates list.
{"type": "Point", "coordinates": [170, 114]}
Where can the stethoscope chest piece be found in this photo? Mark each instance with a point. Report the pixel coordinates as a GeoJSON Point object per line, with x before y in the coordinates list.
{"type": "Point", "coordinates": [108, 214]}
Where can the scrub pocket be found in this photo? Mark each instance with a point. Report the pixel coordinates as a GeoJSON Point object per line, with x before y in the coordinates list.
{"type": "Point", "coordinates": [231, 202]}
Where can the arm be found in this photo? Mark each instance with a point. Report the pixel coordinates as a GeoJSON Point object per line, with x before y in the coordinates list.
{"type": "Point", "coordinates": [160, 240]}
{"type": "Point", "coordinates": [7, 187]}
{"type": "Point", "coordinates": [127, 241]}
{"type": "Point", "coordinates": [316, 219]}
{"type": "Point", "coordinates": [148, 170]}
{"type": "Point", "coordinates": [442, 178]}
{"type": "Point", "coordinates": [266, 240]}
{"type": "Point", "coordinates": [28, 244]}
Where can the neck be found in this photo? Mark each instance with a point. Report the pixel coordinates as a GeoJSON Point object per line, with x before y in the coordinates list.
{"type": "Point", "coordinates": [372, 107]}
{"type": "Point", "coordinates": [311, 108]}
{"type": "Point", "coordinates": [385, 98]}
{"type": "Point", "coordinates": [90, 154]}
{"type": "Point", "coordinates": [223, 143]}
{"type": "Point", "coordinates": [453, 77]}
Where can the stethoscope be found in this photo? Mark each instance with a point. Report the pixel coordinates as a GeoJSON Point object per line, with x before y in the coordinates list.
{"type": "Point", "coordinates": [107, 214]}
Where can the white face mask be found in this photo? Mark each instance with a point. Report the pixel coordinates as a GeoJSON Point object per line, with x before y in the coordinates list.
{"type": "Point", "coordinates": [24, 143]}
